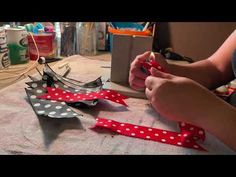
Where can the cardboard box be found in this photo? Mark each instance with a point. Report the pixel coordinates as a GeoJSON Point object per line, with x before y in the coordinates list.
{"type": "Point", "coordinates": [124, 51]}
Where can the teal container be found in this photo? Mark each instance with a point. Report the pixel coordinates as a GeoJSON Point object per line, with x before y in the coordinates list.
{"type": "Point", "coordinates": [17, 54]}
{"type": "Point", "coordinates": [17, 43]}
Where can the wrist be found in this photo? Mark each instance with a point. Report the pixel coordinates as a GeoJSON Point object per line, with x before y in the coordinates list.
{"type": "Point", "coordinates": [170, 68]}
{"type": "Point", "coordinates": [222, 125]}
{"type": "Point", "coordinates": [212, 111]}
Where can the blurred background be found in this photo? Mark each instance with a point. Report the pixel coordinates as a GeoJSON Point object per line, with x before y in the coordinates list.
{"type": "Point", "coordinates": [197, 40]}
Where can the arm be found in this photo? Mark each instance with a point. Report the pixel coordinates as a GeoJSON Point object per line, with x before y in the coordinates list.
{"type": "Point", "coordinates": [212, 72]}
{"type": "Point", "coordinates": [182, 99]}
{"type": "Point", "coordinates": [220, 121]}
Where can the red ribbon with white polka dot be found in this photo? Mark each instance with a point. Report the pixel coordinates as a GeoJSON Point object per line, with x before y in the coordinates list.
{"type": "Point", "coordinates": [67, 96]}
{"type": "Point", "coordinates": [186, 138]}
{"type": "Point", "coordinates": [151, 63]}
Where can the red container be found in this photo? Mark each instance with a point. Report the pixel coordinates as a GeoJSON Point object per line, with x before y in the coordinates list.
{"type": "Point", "coordinates": [45, 44]}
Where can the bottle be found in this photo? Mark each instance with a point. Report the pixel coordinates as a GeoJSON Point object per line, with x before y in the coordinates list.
{"type": "Point", "coordinates": [86, 38]}
{"type": "Point", "coordinates": [4, 53]}
{"type": "Point", "coordinates": [17, 43]}
{"type": "Point", "coordinates": [57, 39]}
{"type": "Point", "coordinates": [101, 35]}
{"type": "Point", "coordinates": [68, 38]}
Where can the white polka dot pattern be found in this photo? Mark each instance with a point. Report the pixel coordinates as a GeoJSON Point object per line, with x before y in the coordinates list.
{"type": "Point", "coordinates": [147, 65]}
{"type": "Point", "coordinates": [154, 134]}
{"type": "Point", "coordinates": [49, 108]}
{"type": "Point", "coordinates": [61, 95]}
{"type": "Point", "coordinates": [34, 85]}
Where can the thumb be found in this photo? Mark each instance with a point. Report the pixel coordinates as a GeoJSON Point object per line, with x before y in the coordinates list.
{"type": "Point", "coordinates": [157, 73]}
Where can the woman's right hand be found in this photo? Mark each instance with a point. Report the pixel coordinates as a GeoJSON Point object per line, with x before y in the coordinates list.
{"type": "Point", "coordinates": [137, 76]}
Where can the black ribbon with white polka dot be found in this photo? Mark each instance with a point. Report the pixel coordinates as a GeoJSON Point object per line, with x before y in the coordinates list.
{"type": "Point", "coordinates": [58, 109]}
{"type": "Point", "coordinates": [53, 109]}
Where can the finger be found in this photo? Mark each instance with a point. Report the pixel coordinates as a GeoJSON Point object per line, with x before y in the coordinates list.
{"type": "Point", "coordinates": [148, 93]}
{"type": "Point", "coordinates": [149, 82]}
{"type": "Point", "coordinates": [140, 58]}
{"type": "Point", "coordinates": [144, 56]}
{"type": "Point", "coordinates": [157, 73]}
{"type": "Point", "coordinates": [138, 73]}
{"type": "Point", "coordinates": [152, 81]}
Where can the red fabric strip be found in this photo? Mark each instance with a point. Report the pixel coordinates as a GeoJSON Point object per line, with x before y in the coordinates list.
{"type": "Point", "coordinates": [192, 131]}
{"type": "Point", "coordinates": [152, 63]}
{"type": "Point", "coordinates": [67, 96]}
{"type": "Point", "coordinates": [184, 139]}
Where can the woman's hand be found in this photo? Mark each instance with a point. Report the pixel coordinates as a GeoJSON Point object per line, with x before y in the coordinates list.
{"type": "Point", "coordinates": [136, 76]}
{"type": "Point", "coordinates": [182, 99]}
{"type": "Point", "coordinates": [179, 98]}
